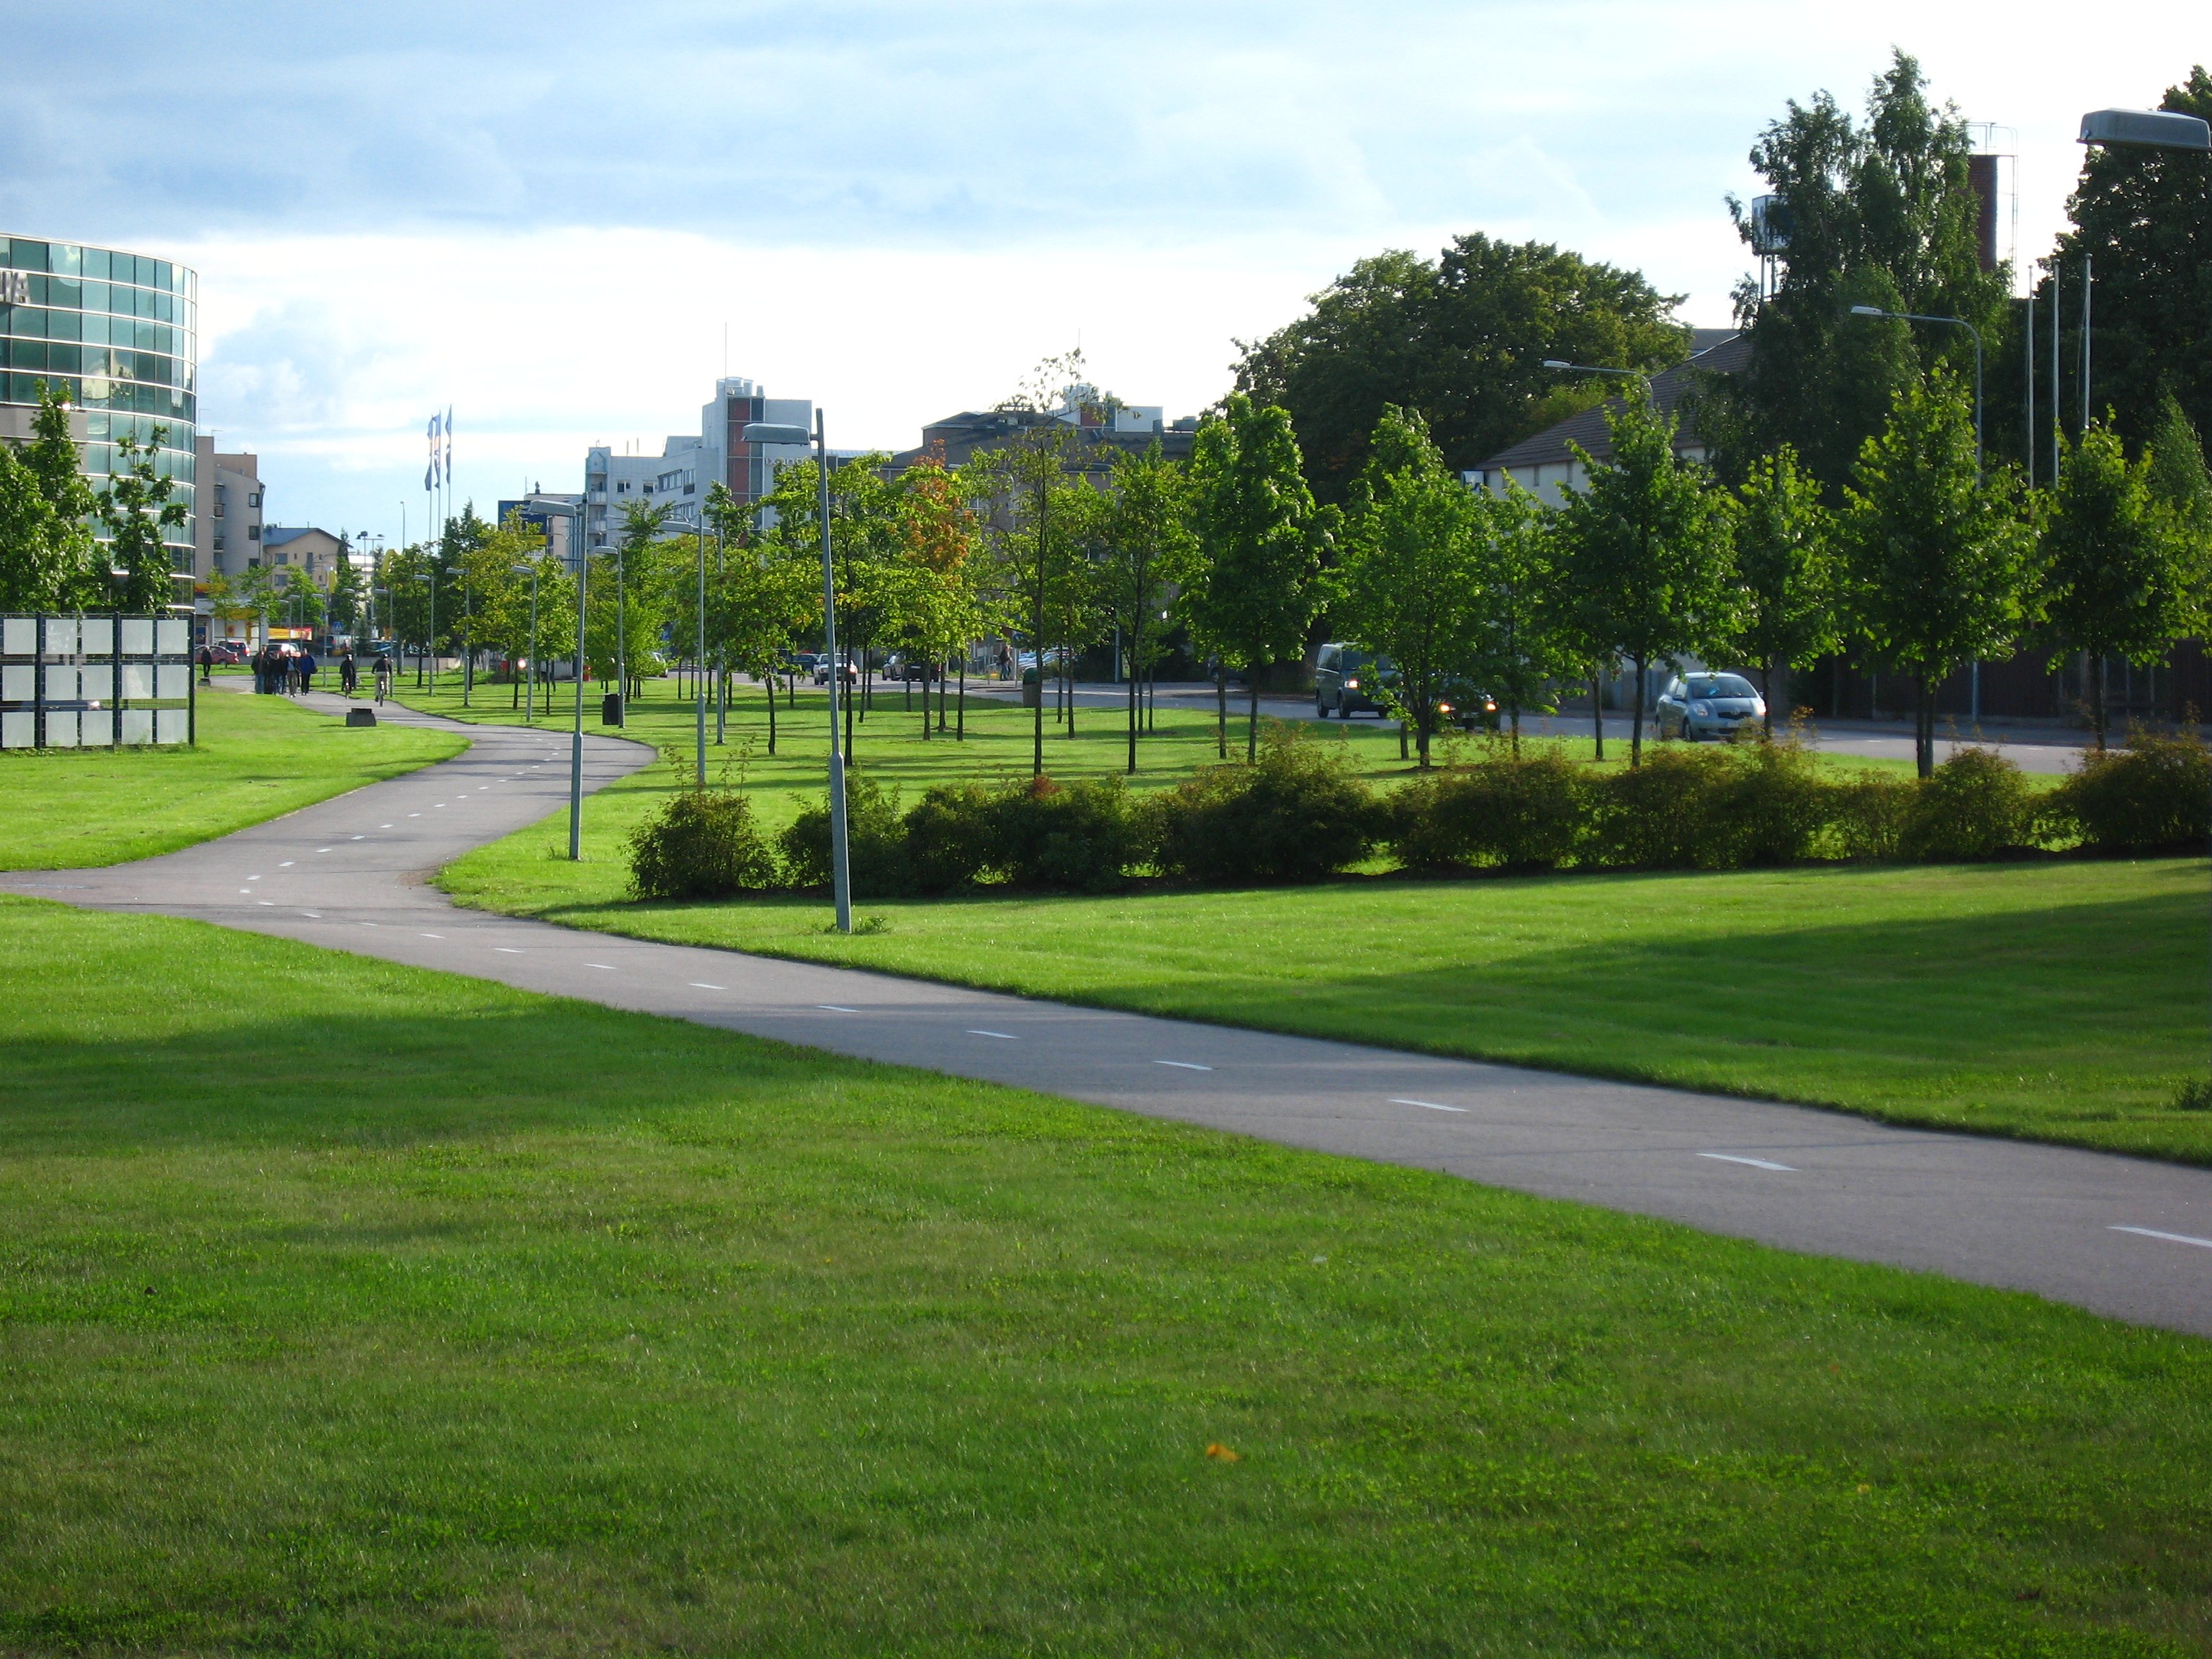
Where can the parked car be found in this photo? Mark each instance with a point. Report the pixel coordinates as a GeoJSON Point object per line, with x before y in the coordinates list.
{"type": "Point", "coordinates": [1704, 705]}
{"type": "Point", "coordinates": [903, 667]}
{"type": "Point", "coordinates": [1345, 679]}
{"type": "Point", "coordinates": [850, 675]}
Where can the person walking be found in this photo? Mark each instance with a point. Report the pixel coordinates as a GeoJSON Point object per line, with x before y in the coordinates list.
{"type": "Point", "coordinates": [308, 665]}
{"type": "Point", "coordinates": [206, 661]}
{"type": "Point", "coordinates": [349, 676]}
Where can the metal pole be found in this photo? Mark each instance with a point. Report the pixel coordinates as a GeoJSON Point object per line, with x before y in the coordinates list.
{"type": "Point", "coordinates": [576, 742]}
{"type": "Point", "coordinates": [2057, 419]}
{"type": "Point", "coordinates": [840, 877]}
{"type": "Point", "coordinates": [699, 680]}
{"type": "Point", "coordinates": [2028, 357]}
{"type": "Point", "coordinates": [622, 642]}
{"type": "Point", "coordinates": [2086, 281]}
{"type": "Point", "coordinates": [530, 691]}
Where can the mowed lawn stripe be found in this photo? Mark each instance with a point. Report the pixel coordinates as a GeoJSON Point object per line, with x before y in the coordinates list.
{"type": "Point", "coordinates": [346, 1306]}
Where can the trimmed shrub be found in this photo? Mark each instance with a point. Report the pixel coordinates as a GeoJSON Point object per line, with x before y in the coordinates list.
{"type": "Point", "coordinates": [1773, 805]}
{"type": "Point", "coordinates": [875, 842]}
{"type": "Point", "coordinates": [2154, 794]}
{"type": "Point", "coordinates": [1298, 814]}
{"type": "Point", "coordinates": [1975, 805]}
{"type": "Point", "coordinates": [702, 844]}
{"type": "Point", "coordinates": [951, 838]}
{"type": "Point", "coordinates": [1867, 816]}
{"type": "Point", "coordinates": [1082, 836]}
{"type": "Point", "coordinates": [1665, 814]}
{"type": "Point", "coordinates": [1525, 813]}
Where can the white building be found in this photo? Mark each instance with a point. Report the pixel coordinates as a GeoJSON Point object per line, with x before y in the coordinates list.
{"type": "Point", "coordinates": [687, 466]}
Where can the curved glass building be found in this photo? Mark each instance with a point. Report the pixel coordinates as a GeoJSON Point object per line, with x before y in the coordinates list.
{"type": "Point", "coordinates": [121, 332]}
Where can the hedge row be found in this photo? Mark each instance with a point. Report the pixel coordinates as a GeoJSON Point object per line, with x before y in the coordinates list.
{"type": "Point", "coordinates": [1300, 815]}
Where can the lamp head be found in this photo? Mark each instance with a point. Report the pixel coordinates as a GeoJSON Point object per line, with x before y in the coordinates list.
{"type": "Point", "coordinates": [1869, 311]}
{"type": "Point", "coordinates": [1554, 362]}
{"type": "Point", "coordinates": [772, 432]}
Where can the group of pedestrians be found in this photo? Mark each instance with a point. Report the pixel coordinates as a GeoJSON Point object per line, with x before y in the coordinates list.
{"type": "Point", "coordinates": [278, 670]}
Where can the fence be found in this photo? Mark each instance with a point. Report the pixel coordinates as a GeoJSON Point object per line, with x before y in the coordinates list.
{"type": "Point", "coordinates": [94, 682]}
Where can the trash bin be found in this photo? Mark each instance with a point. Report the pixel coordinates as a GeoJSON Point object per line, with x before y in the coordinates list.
{"type": "Point", "coordinates": [610, 709]}
{"type": "Point", "coordinates": [1032, 693]}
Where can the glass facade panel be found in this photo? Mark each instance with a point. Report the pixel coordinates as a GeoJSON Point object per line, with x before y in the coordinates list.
{"type": "Point", "coordinates": [115, 331]}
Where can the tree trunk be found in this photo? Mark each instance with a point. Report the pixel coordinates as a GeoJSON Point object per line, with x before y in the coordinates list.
{"type": "Point", "coordinates": [769, 685]}
{"type": "Point", "coordinates": [1766, 692]}
{"type": "Point", "coordinates": [1597, 714]}
{"type": "Point", "coordinates": [845, 692]}
{"type": "Point", "coordinates": [1135, 678]}
{"type": "Point", "coordinates": [1220, 710]}
{"type": "Point", "coordinates": [960, 708]}
{"type": "Point", "coordinates": [1923, 743]}
{"type": "Point", "coordinates": [2100, 705]}
{"type": "Point", "coordinates": [1636, 726]}
{"type": "Point", "coordinates": [1517, 731]}
{"type": "Point", "coordinates": [1252, 718]}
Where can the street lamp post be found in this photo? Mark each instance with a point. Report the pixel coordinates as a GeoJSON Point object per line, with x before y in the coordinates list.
{"type": "Point", "coordinates": [699, 681]}
{"type": "Point", "coordinates": [430, 644]}
{"type": "Point", "coordinates": [2140, 129]}
{"type": "Point", "coordinates": [763, 432]}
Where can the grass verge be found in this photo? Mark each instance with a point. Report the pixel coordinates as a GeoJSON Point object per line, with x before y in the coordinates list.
{"type": "Point", "coordinates": [257, 758]}
{"type": "Point", "coordinates": [525, 1326]}
{"type": "Point", "coordinates": [2055, 1000]}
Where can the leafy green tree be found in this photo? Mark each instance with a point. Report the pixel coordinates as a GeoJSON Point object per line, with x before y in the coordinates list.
{"type": "Point", "coordinates": [1259, 534]}
{"type": "Point", "coordinates": [138, 507]}
{"type": "Point", "coordinates": [2177, 478]}
{"type": "Point", "coordinates": [1461, 341]}
{"type": "Point", "coordinates": [48, 559]}
{"type": "Point", "coordinates": [1520, 654]}
{"type": "Point", "coordinates": [1938, 562]}
{"type": "Point", "coordinates": [1881, 213]}
{"type": "Point", "coordinates": [1409, 582]}
{"type": "Point", "coordinates": [2117, 572]}
{"type": "Point", "coordinates": [1146, 543]}
{"type": "Point", "coordinates": [945, 608]}
{"type": "Point", "coordinates": [1785, 562]}
{"type": "Point", "coordinates": [2145, 218]}
{"type": "Point", "coordinates": [416, 599]}
{"type": "Point", "coordinates": [347, 603]}
{"type": "Point", "coordinates": [623, 636]}
{"type": "Point", "coordinates": [1649, 539]}
{"type": "Point", "coordinates": [760, 591]}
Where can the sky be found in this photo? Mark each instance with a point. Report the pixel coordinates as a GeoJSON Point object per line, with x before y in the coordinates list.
{"type": "Point", "coordinates": [551, 217]}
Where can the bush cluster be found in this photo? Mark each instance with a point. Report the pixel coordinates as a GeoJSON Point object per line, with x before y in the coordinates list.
{"type": "Point", "coordinates": [2155, 795]}
{"type": "Point", "coordinates": [1300, 815]}
{"type": "Point", "coordinates": [702, 844]}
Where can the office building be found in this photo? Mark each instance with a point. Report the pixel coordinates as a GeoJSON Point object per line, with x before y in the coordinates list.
{"type": "Point", "coordinates": [120, 331]}
{"type": "Point", "coordinates": [687, 466]}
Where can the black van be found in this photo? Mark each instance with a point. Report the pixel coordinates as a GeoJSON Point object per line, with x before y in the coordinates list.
{"type": "Point", "coordinates": [1344, 681]}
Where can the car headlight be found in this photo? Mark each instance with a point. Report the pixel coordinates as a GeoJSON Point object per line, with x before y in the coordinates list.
{"type": "Point", "coordinates": [1444, 709]}
{"type": "Point", "coordinates": [1352, 685]}
{"type": "Point", "coordinates": [1701, 710]}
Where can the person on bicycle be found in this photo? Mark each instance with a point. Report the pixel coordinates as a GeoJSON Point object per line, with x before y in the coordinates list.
{"type": "Point", "coordinates": [383, 677]}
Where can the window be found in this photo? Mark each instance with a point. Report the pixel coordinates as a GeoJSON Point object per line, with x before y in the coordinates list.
{"type": "Point", "coordinates": [253, 532]}
{"type": "Point", "coordinates": [253, 500]}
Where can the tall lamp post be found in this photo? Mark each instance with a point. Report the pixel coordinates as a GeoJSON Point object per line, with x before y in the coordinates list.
{"type": "Point", "coordinates": [699, 683]}
{"type": "Point", "coordinates": [763, 432]}
{"type": "Point", "coordinates": [430, 644]}
{"type": "Point", "coordinates": [2138, 129]}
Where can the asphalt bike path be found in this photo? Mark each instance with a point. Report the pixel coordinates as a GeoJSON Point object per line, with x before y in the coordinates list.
{"type": "Point", "coordinates": [2127, 1237]}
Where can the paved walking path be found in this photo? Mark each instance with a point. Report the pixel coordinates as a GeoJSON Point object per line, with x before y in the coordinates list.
{"type": "Point", "coordinates": [2123, 1236]}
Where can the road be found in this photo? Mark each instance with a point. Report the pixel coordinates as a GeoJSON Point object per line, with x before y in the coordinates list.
{"type": "Point", "coordinates": [2033, 749]}
{"type": "Point", "coordinates": [2123, 1236]}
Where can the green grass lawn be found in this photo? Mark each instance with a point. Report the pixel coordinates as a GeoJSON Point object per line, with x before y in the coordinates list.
{"type": "Point", "coordinates": [2060, 1000]}
{"type": "Point", "coordinates": [348, 1307]}
{"type": "Point", "coordinates": [257, 757]}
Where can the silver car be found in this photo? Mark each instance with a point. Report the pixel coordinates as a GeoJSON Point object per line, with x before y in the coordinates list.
{"type": "Point", "coordinates": [1695, 706]}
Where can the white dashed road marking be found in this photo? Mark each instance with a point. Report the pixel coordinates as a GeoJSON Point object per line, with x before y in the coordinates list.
{"type": "Point", "coordinates": [1755, 1163]}
{"type": "Point", "coordinates": [2170, 1238]}
{"type": "Point", "coordinates": [1003, 1036]}
{"type": "Point", "coordinates": [702, 985]}
{"type": "Point", "coordinates": [1430, 1104]}
{"type": "Point", "coordinates": [1182, 1065]}
{"type": "Point", "coordinates": [434, 936]}
{"type": "Point", "coordinates": [604, 967]}
{"type": "Point", "coordinates": [836, 1008]}
{"type": "Point", "coordinates": [507, 950]}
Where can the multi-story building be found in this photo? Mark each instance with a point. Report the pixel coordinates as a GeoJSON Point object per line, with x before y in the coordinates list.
{"type": "Point", "coordinates": [1104, 427]}
{"type": "Point", "coordinates": [119, 332]}
{"type": "Point", "coordinates": [687, 467]}
{"type": "Point", "coordinates": [295, 552]}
